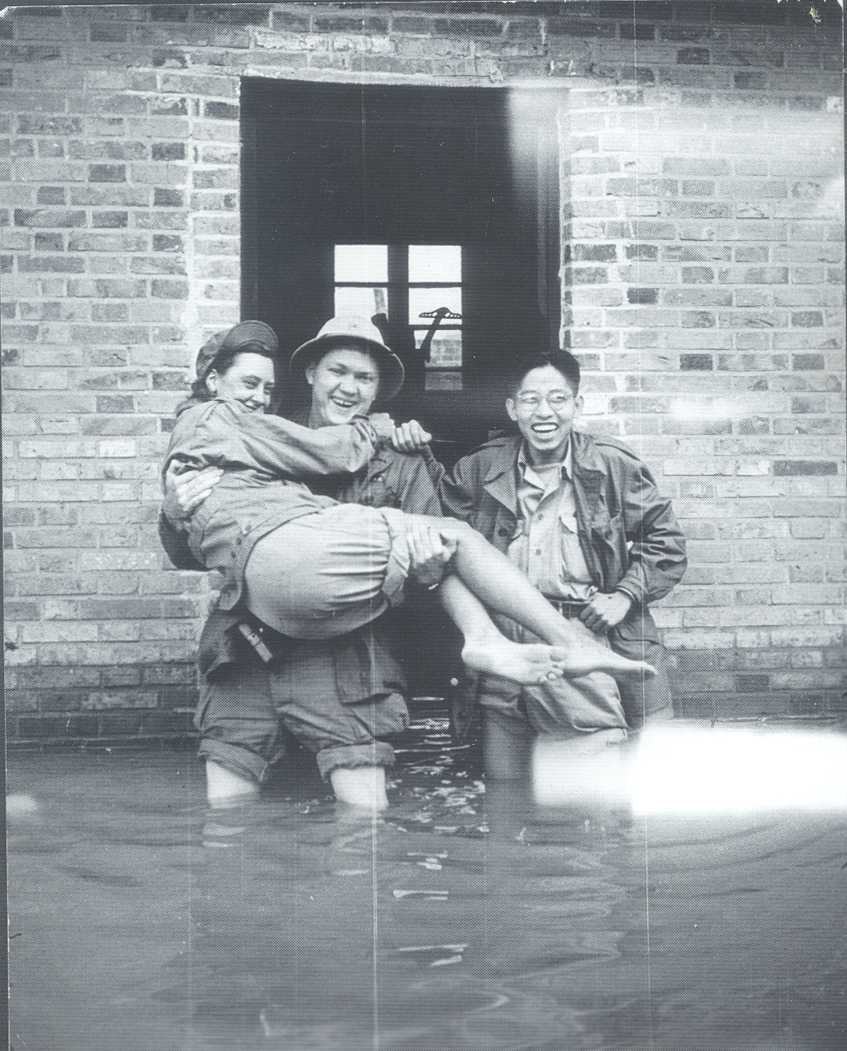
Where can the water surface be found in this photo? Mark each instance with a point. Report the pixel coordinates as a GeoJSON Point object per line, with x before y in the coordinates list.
{"type": "Point", "coordinates": [142, 921]}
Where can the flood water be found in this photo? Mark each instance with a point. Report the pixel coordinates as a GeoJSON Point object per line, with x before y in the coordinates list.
{"type": "Point", "coordinates": [462, 918]}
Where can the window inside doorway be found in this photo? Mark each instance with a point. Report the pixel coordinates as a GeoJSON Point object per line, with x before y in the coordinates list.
{"type": "Point", "coordinates": [390, 175]}
{"type": "Point", "coordinates": [414, 285]}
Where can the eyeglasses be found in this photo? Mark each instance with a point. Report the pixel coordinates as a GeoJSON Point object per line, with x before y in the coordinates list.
{"type": "Point", "coordinates": [557, 399]}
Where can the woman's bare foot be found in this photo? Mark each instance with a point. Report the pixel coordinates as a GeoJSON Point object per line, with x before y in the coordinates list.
{"type": "Point", "coordinates": [528, 663]}
{"type": "Point", "coordinates": [583, 657]}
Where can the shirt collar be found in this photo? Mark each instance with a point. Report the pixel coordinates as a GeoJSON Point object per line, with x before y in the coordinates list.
{"type": "Point", "coordinates": [565, 465]}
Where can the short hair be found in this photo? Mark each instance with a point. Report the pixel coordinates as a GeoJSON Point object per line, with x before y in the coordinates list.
{"type": "Point", "coordinates": [561, 360]}
{"type": "Point", "coordinates": [223, 361]}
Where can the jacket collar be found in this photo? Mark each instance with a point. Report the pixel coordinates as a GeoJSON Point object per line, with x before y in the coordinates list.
{"type": "Point", "coordinates": [586, 459]}
{"type": "Point", "coordinates": [589, 472]}
{"type": "Point", "coordinates": [500, 479]}
{"type": "Point", "coordinates": [565, 465]}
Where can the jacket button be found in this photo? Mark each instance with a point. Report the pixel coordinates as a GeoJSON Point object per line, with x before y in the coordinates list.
{"type": "Point", "coordinates": [502, 531]}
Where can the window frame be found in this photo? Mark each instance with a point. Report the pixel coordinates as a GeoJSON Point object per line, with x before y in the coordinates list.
{"type": "Point", "coordinates": [398, 287]}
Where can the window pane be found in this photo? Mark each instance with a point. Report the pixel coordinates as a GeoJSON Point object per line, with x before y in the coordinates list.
{"type": "Point", "coordinates": [362, 301]}
{"type": "Point", "coordinates": [443, 379]}
{"type": "Point", "coordinates": [361, 263]}
{"type": "Point", "coordinates": [435, 263]}
{"type": "Point", "coordinates": [426, 299]}
{"type": "Point", "coordinates": [446, 349]}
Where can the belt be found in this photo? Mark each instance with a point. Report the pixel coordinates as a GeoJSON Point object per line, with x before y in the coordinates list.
{"type": "Point", "coordinates": [567, 607]}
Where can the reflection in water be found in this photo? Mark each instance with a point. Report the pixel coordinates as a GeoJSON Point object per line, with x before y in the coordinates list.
{"type": "Point", "coordinates": [461, 918]}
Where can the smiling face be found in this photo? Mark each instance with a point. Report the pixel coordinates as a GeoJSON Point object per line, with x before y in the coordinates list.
{"type": "Point", "coordinates": [544, 407]}
{"type": "Point", "coordinates": [344, 384]}
{"type": "Point", "coordinates": [248, 380]}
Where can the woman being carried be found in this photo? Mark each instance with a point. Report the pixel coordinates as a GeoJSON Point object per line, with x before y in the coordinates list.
{"type": "Point", "coordinates": [310, 567]}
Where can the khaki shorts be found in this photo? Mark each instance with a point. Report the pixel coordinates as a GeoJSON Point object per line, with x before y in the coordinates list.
{"type": "Point", "coordinates": [329, 573]}
{"type": "Point", "coordinates": [243, 714]}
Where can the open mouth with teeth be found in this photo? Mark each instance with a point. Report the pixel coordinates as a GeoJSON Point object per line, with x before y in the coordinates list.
{"type": "Point", "coordinates": [544, 430]}
{"type": "Point", "coordinates": [342, 408]}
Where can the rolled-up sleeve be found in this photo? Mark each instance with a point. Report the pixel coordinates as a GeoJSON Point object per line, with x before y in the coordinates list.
{"type": "Point", "coordinates": [290, 449]}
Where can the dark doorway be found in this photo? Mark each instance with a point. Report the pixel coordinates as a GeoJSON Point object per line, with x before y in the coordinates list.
{"type": "Point", "coordinates": [407, 199]}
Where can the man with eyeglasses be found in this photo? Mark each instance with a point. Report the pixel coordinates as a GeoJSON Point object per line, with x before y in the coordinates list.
{"type": "Point", "coordinates": [581, 515]}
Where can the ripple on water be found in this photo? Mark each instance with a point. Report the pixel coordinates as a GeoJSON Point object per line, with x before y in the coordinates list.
{"type": "Point", "coordinates": [289, 924]}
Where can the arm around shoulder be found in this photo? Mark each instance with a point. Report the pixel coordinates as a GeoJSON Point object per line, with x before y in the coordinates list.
{"type": "Point", "coordinates": [289, 449]}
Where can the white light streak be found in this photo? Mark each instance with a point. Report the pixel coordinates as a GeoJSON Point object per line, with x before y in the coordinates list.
{"type": "Point", "coordinates": [679, 769]}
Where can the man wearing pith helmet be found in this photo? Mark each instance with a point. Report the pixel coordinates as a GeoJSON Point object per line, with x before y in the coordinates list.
{"type": "Point", "coordinates": [337, 697]}
{"type": "Point", "coordinates": [357, 334]}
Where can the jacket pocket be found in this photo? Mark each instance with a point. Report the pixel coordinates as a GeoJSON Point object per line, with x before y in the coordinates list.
{"type": "Point", "coordinates": [365, 668]}
{"type": "Point", "coordinates": [607, 527]}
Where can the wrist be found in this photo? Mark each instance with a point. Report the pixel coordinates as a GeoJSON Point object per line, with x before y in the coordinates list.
{"type": "Point", "coordinates": [425, 582]}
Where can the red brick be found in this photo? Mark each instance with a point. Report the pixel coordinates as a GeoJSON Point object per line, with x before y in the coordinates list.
{"type": "Point", "coordinates": [220, 110]}
{"type": "Point", "coordinates": [44, 727]}
{"type": "Point", "coordinates": [121, 676]}
{"type": "Point", "coordinates": [160, 674]}
{"type": "Point", "coordinates": [166, 722]}
{"type": "Point", "coordinates": [116, 722]}
{"type": "Point", "coordinates": [178, 696]}
{"type": "Point", "coordinates": [108, 33]}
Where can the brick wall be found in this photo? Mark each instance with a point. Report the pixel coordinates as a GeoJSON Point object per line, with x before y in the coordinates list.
{"type": "Point", "coordinates": [702, 284]}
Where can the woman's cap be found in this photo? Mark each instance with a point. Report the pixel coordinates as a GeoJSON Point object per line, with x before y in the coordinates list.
{"type": "Point", "coordinates": [351, 329]}
{"type": "Point", "coordinates": [240, 337]}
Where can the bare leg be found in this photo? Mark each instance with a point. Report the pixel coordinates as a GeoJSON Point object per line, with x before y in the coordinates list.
{"type": "Point", "coordinates": [342, 564]}
{"type": "Point", "coordinates": [360, 786]}
{"type": "Point", "coordinates": [224, 787]}
{"type": "Point", "coordinates": [486, 649]}
{"type": "Point", "coordinates": [501, 586]}
{"type": "Point", "coordinates": [506, 755]}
